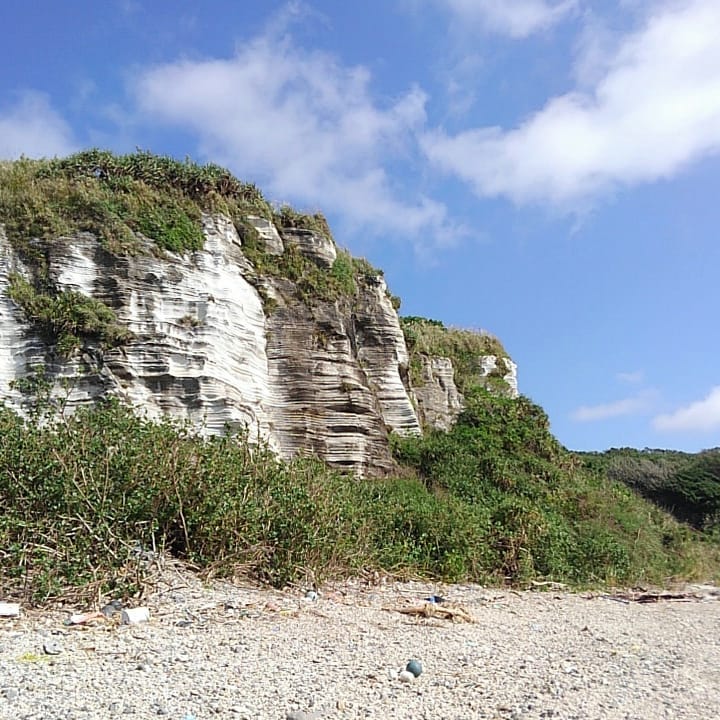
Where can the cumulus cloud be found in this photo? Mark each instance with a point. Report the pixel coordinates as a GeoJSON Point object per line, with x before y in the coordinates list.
{"type": "Point", "coordinates": [301, 124]}
{"type": "Point", "coordinates": [518, 19]}
{"type": "Point", "coordinates": [635, 405]}
{"type": "Point", "coordinates": [702, 416]}
{"type": "Point", "coordinates": [33, 128]}
{"type": "Point", "coordinates": [654, 108]}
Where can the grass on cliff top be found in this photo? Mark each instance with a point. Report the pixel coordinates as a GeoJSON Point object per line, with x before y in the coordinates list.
{"type": "Point", "coordinates": [495, 500]}
{"type": "Point", "coordinates": [116, 196]}
{"type": "Point", "coordinates": [431, 338]}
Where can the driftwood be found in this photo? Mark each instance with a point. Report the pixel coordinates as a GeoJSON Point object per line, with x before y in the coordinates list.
{"type": "Point", "coordinates": [454, 613]}
{"type": "Point", "coordinates": [653, 597]}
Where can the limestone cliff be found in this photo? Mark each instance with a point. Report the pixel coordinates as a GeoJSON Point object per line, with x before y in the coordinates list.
{"type": "Point", "coordinates": [220, 337]}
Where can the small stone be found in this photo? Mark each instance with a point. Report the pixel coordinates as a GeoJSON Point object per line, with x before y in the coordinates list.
{"type": "Point", "coordinates": [406, 676]}
{"type": "Point", "coordinates": [113, 608]}
{"type": "Point", "coordinates": [311, 595]}
{"type": "Point", "coordinates": [242, 712]}
{"type": "Point", "coordinates": [414, 667]}
{"type": "Point", "coordinates": [10, 694]}
{"type": "Point", "coordinates": [9, 609]}
{"type": "Point", "coordinates": [50, 647]}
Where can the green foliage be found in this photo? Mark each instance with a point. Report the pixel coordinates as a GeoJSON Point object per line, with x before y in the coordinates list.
{"type": "Point", "coordinates": [67, 317]}
{"type": "Point", "coordinates": [313, 282]}
{"type": "Point", "coordinates": [426, 337]}
{"type": "Point", "coordinates": [79, 495]}
{"type": "Point", "coordinates": [287, 218]}
{"type": "Point", "coordinates": [116, 197]}
{"type": "Point", "coordinates": [537, 512]}
{"type": "Point", "coordinates": [343, 274]}
{"type": "Point", "coordinates": [687, 485]}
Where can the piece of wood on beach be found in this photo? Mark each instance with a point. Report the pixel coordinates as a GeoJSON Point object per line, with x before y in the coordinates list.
{"type": "Point", "coordinates": [653, 597]}
{"type": "Point", "coordinates": [454, 613]}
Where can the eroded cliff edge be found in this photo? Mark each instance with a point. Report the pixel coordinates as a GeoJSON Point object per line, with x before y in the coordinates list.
{"type": "Point", "coordinates": [240, 332]}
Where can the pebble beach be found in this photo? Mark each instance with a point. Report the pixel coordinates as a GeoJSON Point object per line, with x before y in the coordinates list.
{"type": "Point", "coordinates": [221, 650]}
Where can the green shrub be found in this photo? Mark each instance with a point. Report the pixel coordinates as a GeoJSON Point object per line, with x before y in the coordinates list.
{"type": "Point", "coordinates": [546, 516]}
{"type": "Point", "coordinates": [68, 316]}
{"type": "Point", "coordinates": [289, 219]}
{"type": "Point", "coordinates": [687, 485]}
{"type": "Point", "coordinates": [79, 495]}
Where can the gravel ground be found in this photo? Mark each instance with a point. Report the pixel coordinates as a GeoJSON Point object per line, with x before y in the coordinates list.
{"type": "Point", "coordinates": [227, 651]}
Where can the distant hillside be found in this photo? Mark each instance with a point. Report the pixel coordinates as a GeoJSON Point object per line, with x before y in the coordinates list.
{"type": "Point", "coordinates": [685, 484]}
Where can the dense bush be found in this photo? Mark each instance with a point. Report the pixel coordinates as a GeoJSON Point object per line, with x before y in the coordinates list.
{"type": "Point", "coordinates": [685, 484]}
{"type": "Point", "coordinates": [539, 513]}
{"type": "Point", "coordinates": [78, 496]}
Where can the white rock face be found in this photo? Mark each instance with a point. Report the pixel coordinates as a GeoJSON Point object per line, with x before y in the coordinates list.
{"type": "Point", "coordinates": [312, 245]}
{"type": "Point", "coordinates": [268, 232]}
{"type": "Point", "coordinates": [16, 342]}
{"type": "Point", "coordinates": [490, 364]}
{"type": "Point", "coordinates": [326, 379]}
{"type": "Point", "coordinates": [329, 378]}
{"type": "Point", "coordinates": [438, 399]}
{"type": "Point", "coordinates": [337, 373]}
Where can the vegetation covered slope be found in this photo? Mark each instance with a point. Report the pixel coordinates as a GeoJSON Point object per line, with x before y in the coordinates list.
{"type": "Point", "coordinates": [496, 499]}
{"type": "Point", "coordinates": [425, 337]}
{"type": "Point", "coordinates": [685, 484]}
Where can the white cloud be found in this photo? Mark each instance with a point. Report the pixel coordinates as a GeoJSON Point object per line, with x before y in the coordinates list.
{"type": "Point", "coordinates": [654, 108]}
{"type": "Point", "coordinates": [301, 124]}
{"type": "Point", "coordinates": [635, 405]}
{"type": "Point", "coordinates": [703, 416]}
{"type": "Point", "coordinates": [33, 128]}
{"type": "Point", "coordinates": [516, 18]}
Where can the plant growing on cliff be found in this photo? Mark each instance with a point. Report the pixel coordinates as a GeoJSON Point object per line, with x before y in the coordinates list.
{"type": "Point", "coordinates": [287, 218]}
{"type": "Point", "coordinates": [120, 198]}
{"type": "Point", "coordinates": [67, 317]}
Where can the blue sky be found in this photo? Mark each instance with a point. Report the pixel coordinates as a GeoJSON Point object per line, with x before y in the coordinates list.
{"type": "Point", "coordinates": [546, 170]}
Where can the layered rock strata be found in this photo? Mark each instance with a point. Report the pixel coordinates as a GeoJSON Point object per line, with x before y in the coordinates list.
{"type": "Point", "coordinates": [328, 377]}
